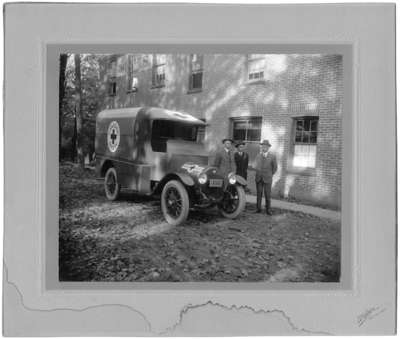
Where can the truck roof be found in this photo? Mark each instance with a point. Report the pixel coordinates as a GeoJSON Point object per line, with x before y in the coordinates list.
{"type": "Point", "coordinates": [153, 113]}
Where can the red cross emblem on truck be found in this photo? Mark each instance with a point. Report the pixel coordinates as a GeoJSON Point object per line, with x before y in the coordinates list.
{"type": "Point", "coordinates": [113, 136]}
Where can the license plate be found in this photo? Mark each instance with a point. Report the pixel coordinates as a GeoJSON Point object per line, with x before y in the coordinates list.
{"type": "Point", "coordinates": [216, 182]}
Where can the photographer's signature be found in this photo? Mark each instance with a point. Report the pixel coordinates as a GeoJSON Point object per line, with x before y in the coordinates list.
{"type": "Point", "coordinates": [369, 314]}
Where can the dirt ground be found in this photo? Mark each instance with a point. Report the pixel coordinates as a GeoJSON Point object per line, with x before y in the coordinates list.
{"type": "Point", "coordinates": [129, 240]}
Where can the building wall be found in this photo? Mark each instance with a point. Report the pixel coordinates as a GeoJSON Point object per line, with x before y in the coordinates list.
{"type": "Point", "coordinates": [293, 86]}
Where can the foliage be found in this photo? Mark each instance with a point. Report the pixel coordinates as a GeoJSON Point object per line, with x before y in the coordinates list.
{"type": "Point", "coordinates": [92, 90]}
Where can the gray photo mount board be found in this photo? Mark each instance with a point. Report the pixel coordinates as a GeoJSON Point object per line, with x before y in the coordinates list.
{"type": "Point", "coordinates": [36, 304]}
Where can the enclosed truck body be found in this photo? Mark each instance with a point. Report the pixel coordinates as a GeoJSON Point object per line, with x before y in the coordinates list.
{"type": "Point", "coordinates": [144, 149]}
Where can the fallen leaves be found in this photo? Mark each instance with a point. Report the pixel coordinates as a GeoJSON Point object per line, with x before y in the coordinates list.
{"type": "Point", "coordinates": [127, 241]}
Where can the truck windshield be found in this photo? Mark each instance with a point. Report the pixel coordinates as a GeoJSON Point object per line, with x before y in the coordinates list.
{"type": "Point", "coordinates": [164, 130]}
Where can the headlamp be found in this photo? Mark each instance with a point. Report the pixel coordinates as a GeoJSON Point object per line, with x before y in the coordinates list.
{"type": "Point", "coordinates": [202, 178]}
{"type": "Point", "coordinates": [232, 179]}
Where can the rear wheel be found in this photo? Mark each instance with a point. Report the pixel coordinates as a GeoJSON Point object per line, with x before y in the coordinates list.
{"type": "Point", "coordinates": [234, 201]}
{"type": "Point", "coordinates": [175, 202]}
{"type": "Point", "coordinates": [111, 185]}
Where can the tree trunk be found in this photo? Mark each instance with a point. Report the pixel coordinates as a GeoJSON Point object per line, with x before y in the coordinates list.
{"type": "Point", "coordinates": [73, 141]}
{"type": "Point", "coordinates": [79, 113]}
{"type": "Point", "coordinates": [61, 94]}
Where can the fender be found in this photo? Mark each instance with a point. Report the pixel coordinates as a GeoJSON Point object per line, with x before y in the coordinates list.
{"type": "Point", "coordinates": [100, 168]}
{"type": "Point", "coordinates": [240, 180]}
{"type": "Point", "coordinates": [186, 178]}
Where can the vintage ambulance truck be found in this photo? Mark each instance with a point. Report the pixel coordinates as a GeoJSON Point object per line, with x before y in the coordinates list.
{"type": "Point", "coordinates": [154, 151]}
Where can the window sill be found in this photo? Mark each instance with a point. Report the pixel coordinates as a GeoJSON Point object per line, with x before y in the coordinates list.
{"type": "Point", "coordinates": [157, 86]}
{"type": "Point", "coordinates": [306, 171]}
{"type": "Point", "coordinates": [250, 142]}
{"type": "Point", "coordinates": [257, 82]}
{"type": "Point", "coordinates": [192, 91]}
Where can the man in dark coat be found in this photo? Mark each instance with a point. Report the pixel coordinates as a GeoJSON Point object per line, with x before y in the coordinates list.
{"type": "Point", "coordinates": [265, 166]}
{"type": "Point", "coordinates": [225, 159]}
{"type": "Point", "coordinates": [241, 160]}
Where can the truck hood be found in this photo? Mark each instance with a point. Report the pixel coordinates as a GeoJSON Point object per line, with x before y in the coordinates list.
{"type": "Point", "coordinates": [183, 152]}
{"type": "Point", "coordinates": [186, 148]}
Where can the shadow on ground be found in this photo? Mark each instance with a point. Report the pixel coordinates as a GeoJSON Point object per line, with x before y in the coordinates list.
{"type": "Point", "coordinates": [128, 240]}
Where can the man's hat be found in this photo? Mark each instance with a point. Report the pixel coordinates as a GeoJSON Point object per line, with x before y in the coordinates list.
{"type": "Point", "coordinates": [265, 142]}
{"type": "Point", "coordinates": [227, 139]}
{"type": "Point", "coordinates": [241, 142]}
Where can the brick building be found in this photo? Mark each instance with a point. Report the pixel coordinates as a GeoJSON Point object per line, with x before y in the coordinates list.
{"type": "Point", "coordinates": [294, 100]}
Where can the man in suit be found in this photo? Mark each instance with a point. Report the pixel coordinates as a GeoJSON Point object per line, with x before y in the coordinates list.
{"type": "Point", "coordinates": [265, 166]}
{"type": "Point", "coordinates": [241, 160]}
{"type": "Point", "coordinates": [225, 159]}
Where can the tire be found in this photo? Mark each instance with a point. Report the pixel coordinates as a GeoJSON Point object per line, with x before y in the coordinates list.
{"type": "Point", "coordinates": [111, 186]}
{"type": "Point", "coordinates": [235, 205]}
{"type": "Point", "coordinates": [175, 202]}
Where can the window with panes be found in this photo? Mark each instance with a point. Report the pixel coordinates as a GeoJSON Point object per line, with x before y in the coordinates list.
{"type": "Point", "coordinates": [196, 72]}
{"type": "Point", "coordinates": [158, 76]}
{"type": "Point", "coordinates": [305, 142]}
{"type": "Point", "coordinates": [256, 64]}
{"type": "Point", "coordinates": [112, 87]}
{"type": "Point", "coordinates": [112, 77]}
{"type": "Point", "coordinates": [247, 129]}
{"type": "Point", "coordinates": [133, 69]}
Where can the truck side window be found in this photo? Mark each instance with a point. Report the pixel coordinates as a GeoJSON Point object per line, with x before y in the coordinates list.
{"type": "Point", "coordinates": [164, 130]}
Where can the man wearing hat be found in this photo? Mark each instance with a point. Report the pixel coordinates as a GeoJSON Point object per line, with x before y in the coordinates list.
{"type": "Point", "coordinates": [225, 159]}
{"type": "Point", "coordinates": [265, 166]}
{"type": "Point", "coordinates": [241, 160]}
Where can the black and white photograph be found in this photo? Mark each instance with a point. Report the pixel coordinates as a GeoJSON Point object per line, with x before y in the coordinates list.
{"type": "Point", "coordinates": [200, 167]}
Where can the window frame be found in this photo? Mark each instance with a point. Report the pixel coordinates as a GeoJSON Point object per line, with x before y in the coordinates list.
{"type": "Point", "coordinates": [112, 87]}
{"type": "Point", "coordinates": [131, 75]}
{"type": "Point", "coordinates": [252, 59]}
{"type": "Point", "coordinates": [159, 143]}
{"type": "Point", "coordinates": [112, 76]}
{"type": "Point", "coordinates": [154, 67]}
{"type": "Point", "coordinates": [298, 169]}
{"type": "Point", "coordinates": [248, 119]}
{"type": "Point", "coordinates": [192, 72]}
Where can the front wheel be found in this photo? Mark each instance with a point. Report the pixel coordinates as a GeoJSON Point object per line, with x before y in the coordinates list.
{"type": "Point", "coordinates": [234, 201]}
{"type": "Point", "coordinates": [111, 185]}
{"type": "Point", "coordinates": [175, 202]}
